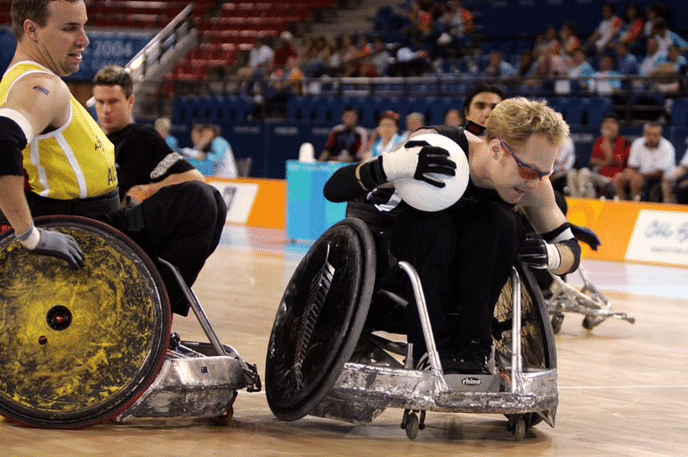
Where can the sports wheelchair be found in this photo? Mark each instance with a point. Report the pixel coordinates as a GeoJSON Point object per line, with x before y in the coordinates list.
{"type": "Point", "coordinates": [337, 347]}
{"type": "Point", "coordinates": [82, 347]}
{"type": "Point", "coordinates": [561, 297]}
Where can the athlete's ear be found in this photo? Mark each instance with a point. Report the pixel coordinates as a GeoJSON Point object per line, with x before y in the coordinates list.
{"type": "Point", "coordinates": [30, 28]}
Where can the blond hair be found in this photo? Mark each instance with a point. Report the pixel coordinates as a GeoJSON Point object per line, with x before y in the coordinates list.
{"type": "Point", "coordinates": [517, 119]}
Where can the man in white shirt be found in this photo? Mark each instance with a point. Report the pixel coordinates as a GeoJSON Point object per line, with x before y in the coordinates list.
{"type": "Point", "coordinates": [651, 157]}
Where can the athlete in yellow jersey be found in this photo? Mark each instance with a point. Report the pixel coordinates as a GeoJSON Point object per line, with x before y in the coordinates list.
{"type": "Point", "coordinates": [76, 160]}
{"type": "Point", "coordinates": [38, 116]}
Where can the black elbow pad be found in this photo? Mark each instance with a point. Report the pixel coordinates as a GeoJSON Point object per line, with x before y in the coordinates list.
{"type": "Point", "coordinates": [12, 142]}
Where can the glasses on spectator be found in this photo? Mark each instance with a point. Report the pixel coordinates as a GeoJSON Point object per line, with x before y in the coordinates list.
{"type": "Point", "coordinates": [525, 171]}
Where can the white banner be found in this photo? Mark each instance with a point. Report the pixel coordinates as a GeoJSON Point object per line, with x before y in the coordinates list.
{"type": "Point", "coordinates": [660, 237]}
{"type": "Point", "coordinates": [239, 198]}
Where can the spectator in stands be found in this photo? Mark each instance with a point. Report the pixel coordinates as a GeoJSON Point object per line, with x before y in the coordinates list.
{"type": "Point", "coordinates": [386, 136]}
{"type": "Point", "coordinates": [608, 159]}
{"type": "Point", "coordinates": [347, 141]}
{"type": "Point", "coordinates": [414, 121]}
{"type": "Point", "coordinates": [606, 81]}
{"type": "Point", "coordinates": [349, 56]}
{"type": "Point", "coordinates": [286, 81]}
{"type": "Point", "coordinates": [666, 38]}
{"type": "Point", "coordinates": [457, 23]}
{"type": "Point", "coordinates": [480, 102]}
{"type": "Point", "coordinates": [651, 157]}
{"type": "Point", "coordinates": [212, 154]}
{"type": "Point", "coordinates": [163, 126]}
{"type": "Point", "coordinates": [260, 61]}
{"type": "Point", "coordinates": [381, 57]}
{"type": "Point", "coordinates": [497, 67]}
{"type": "Point", "coordinates": [607, 30]}
{"type": "Point", "coordinates": [675, 184]}
{"type": "Point", "coordinates": [421, 23]}
{"type": "Point", "coordinates": [562, 165]}
{"type": "Point", "coordinates": [570, 42]}
{"type": "Point", "coordinates": [671, 72]}
{"type": "Point", "coordinates": [578, 75]}
{"type": "Point", "coordinates": [284, 50]}
{"type": "Point", "coordinates": [633, 29]}
{"type": "Point", "coordinates": [653, 60]}
{"type": "Point", "coordinates": [336, 54]}
{"type": "Point", "coordinates": [454, 118]}
{"type": "Point", "coordinates": [365, 67]}
{"type": "Point", "coordinates": [627, 61]}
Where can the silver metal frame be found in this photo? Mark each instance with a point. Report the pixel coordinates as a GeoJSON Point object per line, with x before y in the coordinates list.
{"type": "Point", "coordinates": [197, 380]}
{"type": "Point", "coordinates": [587, 301]}
{"type": "Point", "coordinates": [363, 391]}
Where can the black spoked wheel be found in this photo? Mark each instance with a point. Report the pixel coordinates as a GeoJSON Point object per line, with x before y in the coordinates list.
{"type": "Point", "coordinates": [320, 319]}
{"type": "Point", "coordinates": [538, 346]}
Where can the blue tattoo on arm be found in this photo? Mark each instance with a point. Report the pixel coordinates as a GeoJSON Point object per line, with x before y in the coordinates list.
{"type": "Point", "coordinates": [42, 90]}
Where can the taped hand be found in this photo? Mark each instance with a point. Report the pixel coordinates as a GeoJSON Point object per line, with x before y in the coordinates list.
{"type": "Point", "coordinates": [537, 253]}
{"type": "Point", "coordinates": [417, 159]}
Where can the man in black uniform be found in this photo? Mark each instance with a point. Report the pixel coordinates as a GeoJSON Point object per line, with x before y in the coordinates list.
{"type": "Point", "coordinates": [464, 254]}
{"type": "Point", "coordinates": [170, 211]}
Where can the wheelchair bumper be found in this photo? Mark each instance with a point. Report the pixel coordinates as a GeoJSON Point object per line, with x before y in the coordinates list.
{"type": "Point", "coordinates": [362, 392]}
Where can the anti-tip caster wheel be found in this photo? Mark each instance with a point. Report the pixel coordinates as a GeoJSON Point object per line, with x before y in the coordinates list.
{"type": "Point", "coordinates": [517, 427]}
{"type": "Point", "coordinates": [557, 321]}
{"type": "Point", "coordinates": [412, 425]}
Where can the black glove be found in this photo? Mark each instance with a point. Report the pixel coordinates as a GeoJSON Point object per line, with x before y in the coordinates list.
{"type": "Point", "coordinates": [534, 251]}
{"type": "Point", "coordinates": [587, 236]}
{"type": "Point", "coordinates": [410, 162]}
{"type": "Point", "coordinates": [59, 245]}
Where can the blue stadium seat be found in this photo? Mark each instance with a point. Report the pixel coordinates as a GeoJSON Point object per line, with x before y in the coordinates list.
{"type": "Point", "coordinates": [597, 109]}
{"type": "Point", "coordinates": [679, 112]}
{"type": "Point", "coordinates": [575, 110]}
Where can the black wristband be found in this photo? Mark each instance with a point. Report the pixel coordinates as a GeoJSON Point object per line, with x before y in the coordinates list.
{"type": "Point", "coordinates": [371, 174]}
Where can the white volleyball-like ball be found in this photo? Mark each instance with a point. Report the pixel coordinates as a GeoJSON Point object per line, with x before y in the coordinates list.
{"type": "Point", "coordinates": [426, 197]}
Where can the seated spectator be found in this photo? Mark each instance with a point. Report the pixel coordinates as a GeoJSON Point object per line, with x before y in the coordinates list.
{"type": "Point", "coordinates": [386, 136]}
{"type": "Point", "coordinates": [454, 118]}
{"type": "Point", "coordinates": [633, 28]}
{"type": "Point", "coordinates": [347, 141]}
{"type": "Point", "coordinates": [381, 57]}
{"type": "Point", "coordinates": [570, 42]}
{"type": "Point", "coordinates": [627, 62]}
{"type": "Point", "coordinates": [666, 38]}
{"type": "Point", "coordinates": [651, 157]}
{"type": "Point", "coordinates": [671, 72]}
{"type": "Point", "coordinates": [606, 81]}
{"type": "Point", "coordinates": [653, 60]}
{"type": "Point", "coordinates": [260, 61]}
{"type": "Point", "coordinates": [562, 165]}
{"type": "Point", "coordinates": [286, 81]}
{"type": "Point", "coordinates": [578, 74]}
{"type": "Point", "coordinates": [675, 184]}
{"type": "Point", "coordinates": [414, 121]}
{"type": "Point", "coordinates": [497, 67]}
{"type": "Point", "coordinates": [607, 30]}
{"type": "Point", "coordinates": [284, 50]}
{"type": "Point", "coordinates": [608, 159]}
{"type": "Point", "coordinates": [211, 155]}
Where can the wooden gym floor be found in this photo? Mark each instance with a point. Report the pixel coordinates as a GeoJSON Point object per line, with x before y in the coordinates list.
{"type": "Point", "coordinates": [623, 389]}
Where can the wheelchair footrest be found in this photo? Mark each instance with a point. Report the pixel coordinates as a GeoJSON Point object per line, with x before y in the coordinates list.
{"type": "Point", "coordinates": [190, 386]}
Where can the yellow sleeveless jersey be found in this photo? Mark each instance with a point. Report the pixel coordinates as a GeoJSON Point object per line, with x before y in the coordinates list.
{"type": "Point", "coordinates": [76, 160]}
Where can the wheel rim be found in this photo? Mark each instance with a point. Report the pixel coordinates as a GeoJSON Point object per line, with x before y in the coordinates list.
{"type": "Point", "coordinates": [78, 346]}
